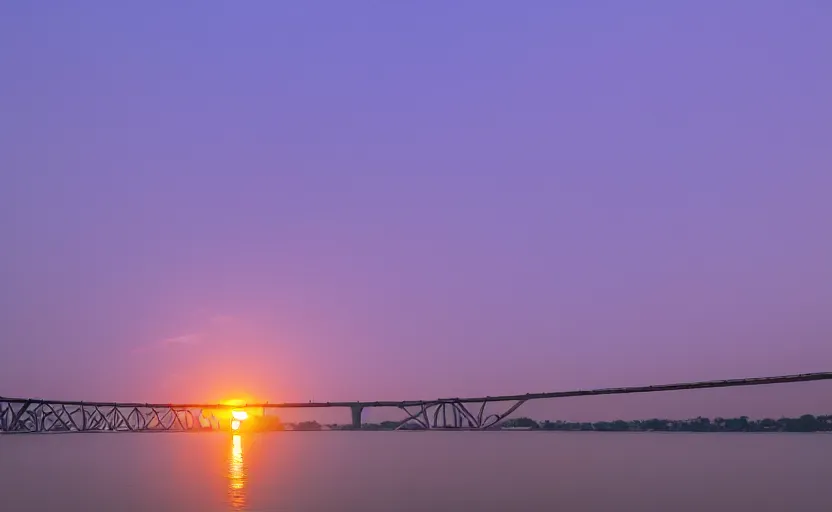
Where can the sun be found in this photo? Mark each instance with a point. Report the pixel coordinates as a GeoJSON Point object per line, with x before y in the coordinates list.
{"type": "Point", "coordinates": [238, 418]}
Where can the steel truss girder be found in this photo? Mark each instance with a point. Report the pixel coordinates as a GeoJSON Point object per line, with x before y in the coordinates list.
{"type": "Point", "coordinates": [36, 416]}
{"type": "Point", "coordinates": [452, 414]}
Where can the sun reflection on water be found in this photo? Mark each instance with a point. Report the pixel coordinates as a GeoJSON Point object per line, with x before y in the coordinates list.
{"type": "Point", "coordinates": [236, 474]}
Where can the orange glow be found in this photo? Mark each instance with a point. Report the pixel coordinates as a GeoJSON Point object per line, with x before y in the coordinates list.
{"type": "Point", "coordinates": [240, 401]}
{"type": "Point", "coordinates": [235, 410]}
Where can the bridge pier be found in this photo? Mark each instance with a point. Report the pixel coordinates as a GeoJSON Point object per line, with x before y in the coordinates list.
{"type": "Point", "coordinates": [356, 416]}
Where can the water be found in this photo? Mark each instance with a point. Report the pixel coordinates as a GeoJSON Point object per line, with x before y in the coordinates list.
{"type": "Point", "coordinates": [424, 471]}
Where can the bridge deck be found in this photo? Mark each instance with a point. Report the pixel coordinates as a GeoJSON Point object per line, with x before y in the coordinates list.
{"type": "Point", "coordinates": [758, 381]}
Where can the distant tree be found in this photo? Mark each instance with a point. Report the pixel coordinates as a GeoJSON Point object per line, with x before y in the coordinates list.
{"type": "Point", "coordinates": [696, 425]}
{"type": "Point", "coordinates": [384, 425]}
{"type": "Point", "coordinates": [611, 426]}
{"type": "Point", "coordinates": [620, 425]}
{"type": "Point", "coordinates": [767, 424]}
{"type": "Point", "coordinates": [806, 423]}
{"type": "Point", "coordinates": [736, 424]}
{"type": "Point", "coordinates": [307, 425]}
{"type": "Point", "coordinates": [520, 423]}
{"type": "Point", "coordinates": [655, 424]}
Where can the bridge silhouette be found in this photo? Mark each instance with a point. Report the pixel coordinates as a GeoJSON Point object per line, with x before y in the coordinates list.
{"type": "Point", "coordinates": [28, 415]}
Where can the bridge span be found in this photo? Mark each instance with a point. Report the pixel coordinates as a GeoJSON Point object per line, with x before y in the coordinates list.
{"type": "Point", "coordinates": [29, 415]}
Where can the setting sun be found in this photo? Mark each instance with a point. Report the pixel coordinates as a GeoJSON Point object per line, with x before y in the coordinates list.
{"type": "Point", "coordinates": [238, 417]}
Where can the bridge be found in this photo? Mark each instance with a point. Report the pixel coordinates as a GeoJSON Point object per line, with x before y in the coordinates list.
{"type": "Point", "coordinates": [28, 415]}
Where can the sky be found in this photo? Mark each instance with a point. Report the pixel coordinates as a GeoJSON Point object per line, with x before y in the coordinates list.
{"type": "Point", "coordinates": [295, 201]}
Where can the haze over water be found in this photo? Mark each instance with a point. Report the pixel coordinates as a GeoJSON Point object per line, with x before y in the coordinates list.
{"type": "Point", "coordinates": [380, 472]}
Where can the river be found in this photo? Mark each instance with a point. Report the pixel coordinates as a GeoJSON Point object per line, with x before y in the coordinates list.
{"type": "Point", "coordinates": [418, 471]}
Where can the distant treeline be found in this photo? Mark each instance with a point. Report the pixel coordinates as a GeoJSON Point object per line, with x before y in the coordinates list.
{"type": "Point", "coordinates": [805, 423]}
{"type": "Point", "coordinates": [315, 426]}
{"type": "Point", "coordinates": [384, 425]}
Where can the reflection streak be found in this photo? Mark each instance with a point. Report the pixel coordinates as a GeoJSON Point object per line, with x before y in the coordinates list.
{"type": "Point", "coordinates": [236, 475]}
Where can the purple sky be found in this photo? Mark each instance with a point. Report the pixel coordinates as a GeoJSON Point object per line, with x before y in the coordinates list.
{"type": "Point", "coordinates": [390, 200]}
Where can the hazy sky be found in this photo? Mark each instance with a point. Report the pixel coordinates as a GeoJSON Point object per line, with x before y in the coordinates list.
{"type": "Point", "coordinates": [390, 200]}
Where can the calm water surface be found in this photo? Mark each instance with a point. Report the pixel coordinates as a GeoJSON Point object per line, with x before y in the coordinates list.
{"type": "Point", "coordinates": [425, 471]}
